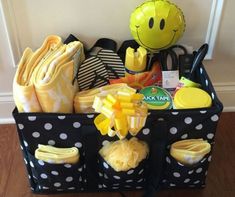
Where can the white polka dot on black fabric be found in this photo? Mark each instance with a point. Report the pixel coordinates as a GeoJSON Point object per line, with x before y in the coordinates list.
{"type": "Point", "coordinates": [215, 118]}
{"type": "Point", "coordinates": [206, 81]}
{"type": "Point", "coordinates": [76, 124]}
{"type": "Point", "coordinates": [212, 95]}
{"type": "Point", "coordinates": [201, 70]}
{"type": "Point", "coordinates": [168, 160]}
{"type": "Point", "coordinates": [160, 119]}
{"type": "Point", "coordinates": [127, 186]}
{"type": "Point", "coordinates": [61, 117]}
{"type": "Point", "coordinates": [176, 174]}
{"type": "Point", "coordinates": [210, 136]}
{"type": "Point", "coordinates": [31, 164]}
{"type": "Point", "coordinates": [80, 179]}
{"type": "Point", "coordinates": [199, 127]}
{"type": "Point", "coordinates": [206, 173]}
{"type": "Point", "coordinates": [71, 188]}
{"type": "Point", "coordinates": [100, 174]}
{"type": "Point", "coordinates": [115, 187]}
{"type": "Point", "coordinates": [172, 185]}
{"type": "Point", "coordinates": [129, 181]}
{"type": "Point", "coordinates": [196, 182]}
{"type": "Point", "coordinates": [203, 160]}
{"type": "Point", "coordinates": [32, 118]}
{"type": "Point", "coordinates": [199, 170]}
{"type": "Point", "coordinates": [146, 131]}
{"type": "Point", "coordinates": [21, 126]}
{"type": "Point", "coordinates": [130, 172]}
{"type": "Point", "coordinates": [174, 113]}
{"type": "Point", "coordinates": [67, 165]}
{"type": "Point", "coordinates": [116, 177]}
{"type": "Point", "coordinates": [46, 188]}
{"type": "Point", "coordinates": [203, 112]}
{"type": "Point", "coordinates": [29, 176]}
{"type": "Point", "coordinates": [25, 143]}
{"type": "Point", "coordinates": [185, 136]}
{"type": "Point", "coordinates": [105, 176]}
{"type": "Point", "coordinates": [21, 147]}
{"type": "Point", "coordinates": [100, 186]}
{"type": "Point", "coordinates": [104, 185]}
{"type": "Point", "coordinates": [141, 171]}
{"type": "Point", "coordinates": [116, 184]}
{"type": "Point", "coordinates": [43, 176]}
{"type": "Point", "coordinates": [80, 169]}
{"type": "Point", "coordinates": [139, 181]}
{"type": "Point", "coordinates": [36, 134]}
{"type": "Point", "coordinates": [173, 130]}
{"type": "Point", "coordinates": [209, 158]}
{"type": "Point", "coordinates": [63, 136]}
{"type": "Point", "coordinates": [41, 163]}
{"type": "Point", "coordinates": [54, 173]}
{"type": "Point", "coordinates": [78, 144]}
{"type": "Point", "coordinates": [191, 171]}
{"type": "Point", "coordinates": [105, 142]}
{"type": "Point", "coordinates": [69, 179]}
{"type": "Point", "coordinates": [105, 165]}
{"type": "Point", "coordinates": [90, 116]}
{"type": "Point", "coordinates": [57, 184]}
{"type": "Point", "coordinates": [188, 120]}
{"type": "Point", "coordinates": [186, 180]}
{"type": "Point", "coordinates": [48, 126]}
{"type": "Point", "coordinates": [51, 142]}
{"type": "Point", "coordinates": [139, 187]}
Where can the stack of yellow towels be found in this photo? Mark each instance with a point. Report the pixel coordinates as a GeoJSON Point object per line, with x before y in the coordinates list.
{"type": "Point", "coordinates": [43, 80]}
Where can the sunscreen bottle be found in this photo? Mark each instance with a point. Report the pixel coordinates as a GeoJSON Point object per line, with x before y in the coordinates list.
{"type": "Point", "coordinates": [135, 61]}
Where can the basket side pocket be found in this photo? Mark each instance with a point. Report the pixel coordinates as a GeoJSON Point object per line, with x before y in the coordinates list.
{"type": "Point", "coordinates": [56, 177]}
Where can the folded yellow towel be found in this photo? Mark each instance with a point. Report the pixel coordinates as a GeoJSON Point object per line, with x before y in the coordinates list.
{"type": "Point", "coordinates": [190, 151]}
{"type": "Point", "coordinates": [55, 155]}
{"type": "Point", "coordinates": [122, 155]}
{"type": "Point", "coordinates": [43, 80]}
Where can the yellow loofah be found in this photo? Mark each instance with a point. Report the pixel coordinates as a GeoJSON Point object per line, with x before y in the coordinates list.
{"type": "Point", "coordinates": [123, 155]}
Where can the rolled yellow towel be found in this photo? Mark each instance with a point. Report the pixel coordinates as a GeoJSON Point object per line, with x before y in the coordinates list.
{"type": "Point", "coordinates": [190, 151]}
{"type": "Point", "coordinates": [43, 80]}
{"type": "Point", "coordinates": [55, 155]}
{"type": "Point", "coordinates": [123, 155]}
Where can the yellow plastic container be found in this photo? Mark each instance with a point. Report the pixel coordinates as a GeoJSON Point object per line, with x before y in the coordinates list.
{"type": "Point", "coordinates": [191, 97]}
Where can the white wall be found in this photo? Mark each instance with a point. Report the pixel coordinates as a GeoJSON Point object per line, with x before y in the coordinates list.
{"type": "Point", "coordinates": [30, 21]}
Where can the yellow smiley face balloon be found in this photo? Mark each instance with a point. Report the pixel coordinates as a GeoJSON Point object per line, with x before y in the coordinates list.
{"type": "Point", "coordinates": [157, 24]}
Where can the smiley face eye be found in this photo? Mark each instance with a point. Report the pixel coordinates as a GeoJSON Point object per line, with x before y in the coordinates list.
{"type": "Point", "coordinates": [151, 23]}
{"type": "Point", "coordinates": [162, 24]}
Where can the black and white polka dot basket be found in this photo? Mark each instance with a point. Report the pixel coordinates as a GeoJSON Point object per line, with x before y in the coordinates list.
{"type": "Point", "coordinates": [92, 173]}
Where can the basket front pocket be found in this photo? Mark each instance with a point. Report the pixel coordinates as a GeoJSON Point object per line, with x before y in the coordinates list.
{"type": "Point", "coordinates": [132, 179]}
{"type": "Point", "coordinates": [182, 176]}
{"type": "Point", "coordinates": [56, 177]}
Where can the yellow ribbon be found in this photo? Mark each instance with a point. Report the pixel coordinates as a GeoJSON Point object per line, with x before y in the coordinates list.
{"type": "Point", "coordinates": [190, 151]}
{"type": "Point", "coordinates": [120, 113]}
{"type": "Point", "coordinates": [55, 155]}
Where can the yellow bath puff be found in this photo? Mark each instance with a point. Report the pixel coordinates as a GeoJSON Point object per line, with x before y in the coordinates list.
{"type": "Point", "coordinates": [123, 155]}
